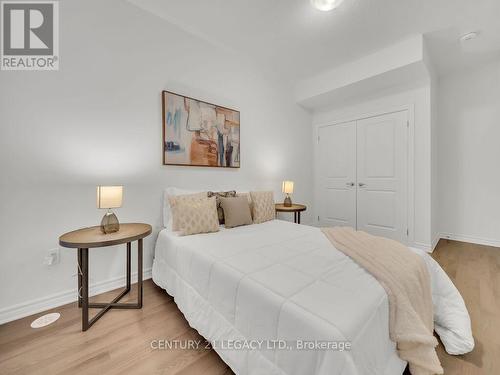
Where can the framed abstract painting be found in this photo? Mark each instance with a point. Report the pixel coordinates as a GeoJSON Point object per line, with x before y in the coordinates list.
{"type": "Point", "coordinates": [197, 133]}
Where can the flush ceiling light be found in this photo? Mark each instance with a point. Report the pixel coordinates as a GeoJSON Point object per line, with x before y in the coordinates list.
{"type": "Point", "coordinates": [326, 5]}
{"type": "Point", "coordinates": [469, 36]}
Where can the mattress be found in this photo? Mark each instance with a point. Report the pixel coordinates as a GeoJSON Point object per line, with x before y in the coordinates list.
{"type": "Point", "coordinates": [283, 292]}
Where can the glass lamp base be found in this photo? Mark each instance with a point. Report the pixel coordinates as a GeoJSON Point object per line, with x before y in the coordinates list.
{"type": "Point", "coordinates": [110, 223]}
{"type": "Point", "coordinates": [287, 202]}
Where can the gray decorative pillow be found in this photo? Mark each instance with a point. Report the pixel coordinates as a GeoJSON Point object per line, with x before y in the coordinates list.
{"type": "Point", "coordinates": [218, 195]}
{"type": "Point", "coordinates": [236, 211]}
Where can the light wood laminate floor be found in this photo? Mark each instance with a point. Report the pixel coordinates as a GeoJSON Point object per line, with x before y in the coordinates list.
{"type": "Point", "coordinates": [119, 343]}
{"type": "Point", "coordinates": [475, 271]}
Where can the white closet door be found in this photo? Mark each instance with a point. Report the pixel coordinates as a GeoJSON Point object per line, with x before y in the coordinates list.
{"type": "Point", "coordinates": [337, 175]}
{"type": "Point", "coordinates": [382, 175]}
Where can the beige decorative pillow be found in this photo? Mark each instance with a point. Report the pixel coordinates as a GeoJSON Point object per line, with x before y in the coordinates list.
{"type": "Point", "coordinates": [249, 198]}
{"type": "Point", "coordinates": [263, 206]}
{"type": "Point", "coordinates": [196, 216]}
{"type": "Point", "coordinates": [236, 211]}
{"type": "Point", "coordinates": [175, 200]}
{"type": "Point", "coordinates": [218, 195]}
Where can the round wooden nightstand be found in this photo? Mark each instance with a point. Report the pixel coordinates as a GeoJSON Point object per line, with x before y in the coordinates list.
{"type": "Point", "coordinates": [86, 238]}
{"type": "Point", "coordinates": [295, 208]}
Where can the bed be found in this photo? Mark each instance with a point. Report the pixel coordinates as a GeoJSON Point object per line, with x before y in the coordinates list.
{"type": "Point", "coordinates": [282, 283]}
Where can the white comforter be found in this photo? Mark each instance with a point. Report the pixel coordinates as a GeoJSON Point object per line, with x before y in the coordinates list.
{"type": "Point", "coordinates": [284, 282]}
{"type": "Point", "coordinates": [451, 318]}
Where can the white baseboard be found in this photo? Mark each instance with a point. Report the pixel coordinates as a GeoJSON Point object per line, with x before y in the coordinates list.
{"type": "Point", "coordinates": [309, 223]}
{"type": "Point", "coordinates": [435, 241]}
{"type": "Point", "coordinates": [456, 237]}
{"type": "Point", "coordinates": [35, 306]}
{"type": "Point", "coordinates": [471, 239]}
{"type": "Point", "coordinates": [422, 246]}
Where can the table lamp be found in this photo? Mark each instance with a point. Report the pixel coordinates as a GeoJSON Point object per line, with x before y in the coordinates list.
{"type": "Point", "coordinates": [109, 197]}
{"type": "Point", "coordinates": [287, 188]}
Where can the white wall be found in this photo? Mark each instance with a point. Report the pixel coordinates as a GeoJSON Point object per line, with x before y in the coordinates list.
{"type": "Point", "coordinates": [370, 73]}
{"type": "Point", "coordinates": [420, 98]}
{"type": "Point", "coordinates": [98, 121]}
{"type": "Point", "coordinates": [469, 154]}
{"type": "Point", "coordinates": [434, 134]}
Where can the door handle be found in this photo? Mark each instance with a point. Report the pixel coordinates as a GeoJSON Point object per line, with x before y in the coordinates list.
{"type": "Point", "coordinates": [350, 184]}
{"type": "Point", "coordinates": [361, 184]}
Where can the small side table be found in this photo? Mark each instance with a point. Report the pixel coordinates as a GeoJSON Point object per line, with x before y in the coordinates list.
{"type": "Point", "coordinates": [86, 238]}
{"type": "Point", "coordinates": [295, 208]}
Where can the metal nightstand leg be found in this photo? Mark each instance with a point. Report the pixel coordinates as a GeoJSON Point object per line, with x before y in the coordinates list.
{"type": "Point", "coordinates": [139, 274]}
{"type": "Point", "coordinates": [129, 247]}
{"type": "Point", "coordinates": [79, 270]}
{"type": "Point", "coordinates": [85, 289]}
{"type": "Point", "coordinates": [83, 281]}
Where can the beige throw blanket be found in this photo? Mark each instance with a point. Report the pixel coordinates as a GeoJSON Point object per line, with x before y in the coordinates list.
{"type": "Point", "coordinates": [405, 278]}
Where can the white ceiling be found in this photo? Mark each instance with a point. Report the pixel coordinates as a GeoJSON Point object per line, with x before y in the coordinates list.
{"type": "Point", "coordinates": [295, 40]}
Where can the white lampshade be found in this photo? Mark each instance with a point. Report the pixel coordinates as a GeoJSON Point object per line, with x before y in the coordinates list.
{"type": "Point", "coordinates": [109, 196]}
{"type": "Point", "coordinates": [287, 187]}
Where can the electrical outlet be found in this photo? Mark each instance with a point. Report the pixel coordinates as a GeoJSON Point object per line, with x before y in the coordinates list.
{"type": "Point", "coordinates": [52, 257]}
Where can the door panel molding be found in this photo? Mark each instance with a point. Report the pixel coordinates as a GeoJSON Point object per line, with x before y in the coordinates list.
{"type": "Point", "coordinates": [336, 172]}
{"type": "Point", "coordinates": [382, 202]}
{"type": "Point", "coordinates": [410, 200]}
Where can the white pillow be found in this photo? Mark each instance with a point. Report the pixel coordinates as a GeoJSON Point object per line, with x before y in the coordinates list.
{"type": "Point", "coordinates": [167, 212]}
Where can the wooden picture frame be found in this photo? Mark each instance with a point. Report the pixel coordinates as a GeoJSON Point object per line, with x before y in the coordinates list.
{"type": "Point", "coordinates": [198, 133]}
